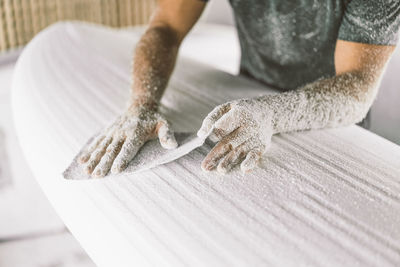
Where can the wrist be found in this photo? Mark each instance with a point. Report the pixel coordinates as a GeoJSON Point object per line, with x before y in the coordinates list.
{"type": "Point", "coordinates": [138, 103]}
{"type": "Point", "coordinates": [268, 112]}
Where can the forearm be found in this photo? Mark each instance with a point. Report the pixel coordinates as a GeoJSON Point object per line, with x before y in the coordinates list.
{"type": "Point", "coordinates": [338, 101]}
{"type": "Point", "coordinates": [153, 63]}
{"type": "Point", "coordinates": [244, 127]}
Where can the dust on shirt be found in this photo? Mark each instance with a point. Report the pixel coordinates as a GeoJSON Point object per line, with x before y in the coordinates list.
{"type": "Point", "coordinates": [289, 43]}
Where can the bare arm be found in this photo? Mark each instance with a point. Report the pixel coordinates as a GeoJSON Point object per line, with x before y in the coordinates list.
{"type": "Point", "coordinates": [244, 127]}
{"type": "Point", "coordinates": [349, 94]}
{"type": "Point", "coordinates": [156, 52]}
{"type": "Point", "coordinates": [154, 60]}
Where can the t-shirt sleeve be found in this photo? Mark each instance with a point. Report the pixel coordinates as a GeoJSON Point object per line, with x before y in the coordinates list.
{"type": "Point", "coordinates": [371, 21]}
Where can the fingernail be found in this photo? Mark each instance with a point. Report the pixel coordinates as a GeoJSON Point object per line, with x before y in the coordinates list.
{"type": "Point", "coordinates": [201, 133]}
{"type": "Point", "coordinates": [173, 145]}
{"type": "Point", "coordinates": [119, 168]}
{"type": "Point", "coordinates": [83, 159]}
{"type": "Point", "coordinates": [210, 166]}
{"type": "Point", "coordinates": [245, 171]}
{"type": "Point", "coordinates": [222, 169]}
{"type": "Point", "coordinates": [204, 132]}
{"type": "Point", "coordinates": [204, 168]}
{"type": "Point", "coordinates": [170, 144]}
{"type": "Point", "coordinates": [246, 168]}
{"type": "Point", "coordinates": [88, 169]}
{"type": "Point", "coordinates": [213, 138]}
{"type": "Point", "coordinates": [97, 173]}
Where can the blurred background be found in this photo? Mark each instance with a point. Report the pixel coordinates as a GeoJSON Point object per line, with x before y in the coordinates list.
{"type": "Point", "coordinates": [31, 234]}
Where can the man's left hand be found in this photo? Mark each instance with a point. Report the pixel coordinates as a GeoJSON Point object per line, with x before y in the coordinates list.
{"type": "Point", "coordinates": [243, 131]}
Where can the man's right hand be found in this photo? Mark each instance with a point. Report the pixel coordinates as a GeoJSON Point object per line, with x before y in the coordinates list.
{"type": "Point", "coordinates": [118, 144]}
{"type": "Point", "coordinates": [154, 57]}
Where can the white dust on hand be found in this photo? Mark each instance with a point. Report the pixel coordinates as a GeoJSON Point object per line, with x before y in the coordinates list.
{"type": "Point", "coordinates": [118, 144]}
{"type": "Point", "coordinates": [244, 127]}
{"type": "Point", "coordinates": [150, 155]}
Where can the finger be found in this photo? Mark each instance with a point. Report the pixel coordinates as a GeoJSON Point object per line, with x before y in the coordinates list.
{"type": "Point", "coordinates": [90, 148]}
{"type": "Point", "coordinates": [222, 148]}
{"type": "Point", "coordinates": [213, 137]}
{"type": "Point", "coordinates": [212, 159]}
{"type": "Point", "coordinates": [233, 158]}
{"type": "Point", "coordinates": [97, 140]}
{"type": "Point", "coordinates": [251, 161]}
{"type": "Point", "coordinates": [217, 134]}
{"type": "Point", "coordinates": [226, 124]}
{"type": "Point", "coordinates": [211, 118]}
{"type": "Point", "coordinates": [127, 153]}
{"type": "Point", "coordinates": [97, 155]}
{"type": "Point", "coordinates": [107, 160]}
{"type": "Point", "coordinates": [166, 135]}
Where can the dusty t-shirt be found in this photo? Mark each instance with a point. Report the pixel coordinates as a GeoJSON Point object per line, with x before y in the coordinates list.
{"type": "Point", "coordinates": [289, 43]}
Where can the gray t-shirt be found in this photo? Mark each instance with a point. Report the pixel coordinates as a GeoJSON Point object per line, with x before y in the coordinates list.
{"type": "Point", "coordinates": [289, 43]}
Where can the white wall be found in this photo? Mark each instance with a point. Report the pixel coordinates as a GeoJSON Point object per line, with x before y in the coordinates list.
{"type": "Point", "coordinates": [218, 11]}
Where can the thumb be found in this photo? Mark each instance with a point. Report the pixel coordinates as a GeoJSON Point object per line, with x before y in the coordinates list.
{"type": "Point", "coordinates": [166, 135]}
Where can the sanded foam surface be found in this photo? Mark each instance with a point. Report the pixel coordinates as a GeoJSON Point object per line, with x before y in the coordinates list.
{"type": "Point", "coordinates": [150, 155]}
{"type": "Point", "coordinates": [322, 198]}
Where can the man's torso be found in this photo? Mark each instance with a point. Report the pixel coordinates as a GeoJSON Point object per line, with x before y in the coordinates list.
{"type": "Point", "coordinates": [288, 43]}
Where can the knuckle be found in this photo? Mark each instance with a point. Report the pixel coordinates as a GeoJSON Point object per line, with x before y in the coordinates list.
{"type": "Point", "coordinates": [219, 132]}
{"type": "Point", "coordinates": [218, 108]}
{"type": "Point", "coordinates": [227, 147]}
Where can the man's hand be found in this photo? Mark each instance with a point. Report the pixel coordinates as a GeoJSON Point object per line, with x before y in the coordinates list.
{"type": "Point", "coordinates": [154, 60]}
{"type": "Point", "coordinates": [118, 144]}
{"type": "Point", "coordinates": [243, 129]}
